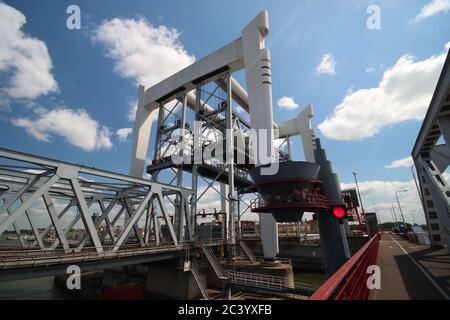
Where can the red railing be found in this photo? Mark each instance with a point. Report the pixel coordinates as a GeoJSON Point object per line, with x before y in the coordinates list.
{"type": "Point", "coordinates": [350, 281]}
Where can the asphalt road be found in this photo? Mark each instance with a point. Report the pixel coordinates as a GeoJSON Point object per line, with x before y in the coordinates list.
{"type": "Point", "coordinates": [411, 271]}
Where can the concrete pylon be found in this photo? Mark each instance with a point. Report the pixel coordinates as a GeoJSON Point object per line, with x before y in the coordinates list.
{"type": "Point", "coordinates": [333, 240]}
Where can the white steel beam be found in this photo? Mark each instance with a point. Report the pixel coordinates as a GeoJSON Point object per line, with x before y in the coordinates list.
{"type": "Point", "coordinates": [129, 213]}
{"type": "Point", "coordinates": [169, 224]}
{"type": "Point", "coordinates": [27, 203]}
{"type": "Point", "coordinates": [55, 221]}
{"type": "Point", "coordinates": [85, 216]}
{"type": "Point", "coordinates": [133, 220]}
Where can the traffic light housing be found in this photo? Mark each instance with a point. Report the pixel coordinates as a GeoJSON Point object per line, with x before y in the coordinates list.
{"type": "Point", "coordinates": [339, 212]}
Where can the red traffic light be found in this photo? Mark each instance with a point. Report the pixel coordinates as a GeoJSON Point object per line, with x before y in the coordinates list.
{"type": "Point", "coordinates": [339, 212]}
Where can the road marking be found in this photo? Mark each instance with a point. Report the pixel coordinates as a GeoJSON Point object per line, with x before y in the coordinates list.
{"type": "Point", "coordinates": [444, 294]}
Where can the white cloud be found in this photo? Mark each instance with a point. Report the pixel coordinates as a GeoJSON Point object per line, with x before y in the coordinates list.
{"type": "Point", "coordinates": [405, 162]}
{"type": "Point", "coordinates": [25, 60]}
{"type": "Point", "coordinates": [326, 66]}
{"type": "Point", "coordinates": [403, 93]}
{"type": "Point", "coordinates": [287, 103]}
{"type": "Point", "coordinates": [370, 69]}
{"type": "Point", "coordinates": [76, 126]}
{"type": "Point", "coordinates": [123, 134]}
{"type": "Point", "coordinates": [143, 52]}
{"type": "Point", "coordinates": [432, 8]}
{"type": "Point", "coordinates": [379, 187]}
{"type": "Point", "coordinates": [132, 109]}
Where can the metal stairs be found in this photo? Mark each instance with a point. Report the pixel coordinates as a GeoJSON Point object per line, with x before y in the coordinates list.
{"type": "Point", "coordinates": [199, 280]}
{"type": "Point", "coordinates": [214, 262]}
{"type": "Point", "coordinates": [248, 251]}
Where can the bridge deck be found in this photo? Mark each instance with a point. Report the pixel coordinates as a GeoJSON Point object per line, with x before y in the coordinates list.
{"type": "Point", "coordinates": [411, 271]}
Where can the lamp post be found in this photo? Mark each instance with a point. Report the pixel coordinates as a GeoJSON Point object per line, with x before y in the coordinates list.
{"type": "Point", "coordinates": [362, 207]}
{"type": "Point", "coordinates": [417, 185]}
{"type": "Point", "coordinates": [399, 206]}
{"type": "Point", "coordinates": [418, 191]}
{"type": "Point", "coordinates": [395, 216]}
{"type": "Point", "coordinates": [393, 220]}
{"type": "Point", "coordinates": [412, 215]}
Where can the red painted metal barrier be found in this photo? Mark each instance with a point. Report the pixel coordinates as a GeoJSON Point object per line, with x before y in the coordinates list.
{"type": "Point", "coordinates": [350, 281]}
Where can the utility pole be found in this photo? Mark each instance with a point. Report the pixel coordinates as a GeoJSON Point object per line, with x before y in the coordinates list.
{"type": "Point", "coordinates": [362, 207]}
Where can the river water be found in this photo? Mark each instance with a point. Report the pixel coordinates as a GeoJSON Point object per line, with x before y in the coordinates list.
{"type": "Point", "coordinates": [44, 288]}
{"type": "Point", "coordinates": [31, 289]}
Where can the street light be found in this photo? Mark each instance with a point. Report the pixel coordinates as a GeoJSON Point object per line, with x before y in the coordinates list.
{"type": "Point", "coordinates": [395, 216]}
{"type": "Point", "coordinates": [412, 215]}
{"type": "Point", "coordinates": [417, 185]}
{"type": "Point", "coordinates": [362, 207]}
{"type": "Point", "coordinates": [399, 207]}
{"type": "Point", "coordinates": [393, 221]}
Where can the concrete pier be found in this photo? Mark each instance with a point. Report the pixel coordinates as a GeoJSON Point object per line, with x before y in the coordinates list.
{"type": "Point", "coordinates": [167, 279]}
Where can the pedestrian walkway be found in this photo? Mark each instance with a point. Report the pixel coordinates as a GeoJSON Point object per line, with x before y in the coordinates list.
{"type": "Point", "coordinates": [411, 272]}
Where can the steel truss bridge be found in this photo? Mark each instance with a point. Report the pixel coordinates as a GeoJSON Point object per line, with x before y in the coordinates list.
{"type": "Point", "coordinates": [115, 216]}
{"type": "Point", "coordinates": [34, 188]}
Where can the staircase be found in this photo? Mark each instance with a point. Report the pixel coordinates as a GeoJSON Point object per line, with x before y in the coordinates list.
{"type": "Point", "coordinates": [215, 264]}
{"type": "Point", "coordinates": [200, 282]}
{"type": "Point", "coordinates": [248, 251]}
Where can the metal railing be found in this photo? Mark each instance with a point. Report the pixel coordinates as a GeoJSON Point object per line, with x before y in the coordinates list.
{"type": "Point", "coordinates": [199, 280]}
{"type": "Point", "coordinates": [214, 262]}
{"type": "Point", "coordinates": [247, 251]}
{"type": "Point", "coordinates": [23, 258]}
{"type": "Point", "coordinates": [258, 259]}
{"type": "Point", "coordinates": [350, 281]}
{"type": "Point", "coordinates": [307, 200]}
{"type": "Point", "coordinates": [259, 280]}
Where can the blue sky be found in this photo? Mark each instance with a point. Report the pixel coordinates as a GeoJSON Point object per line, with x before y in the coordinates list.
{"type": "Point", "coordinates": [382, 80]}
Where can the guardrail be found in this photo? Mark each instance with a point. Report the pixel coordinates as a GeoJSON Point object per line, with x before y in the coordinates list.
{"type": "Point", "coordinates": [258, 259]}
{"type": "Point", "coordinates": [24, 258]}
{"type": "Point", "coordinates": [306, 200]}
{"type": "Point", "coordinates": [259, 280]}
{"type": "Point", "coordinates": [350, 281]}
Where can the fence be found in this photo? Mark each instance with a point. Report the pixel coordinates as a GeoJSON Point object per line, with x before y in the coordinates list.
{"type": "Point", "coordinates": [350, 281]}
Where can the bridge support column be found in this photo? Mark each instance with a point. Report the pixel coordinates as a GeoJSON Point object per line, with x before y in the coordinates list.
{"type": "Point", "coordinates": [259, 87]}
{"type": "Point", "coordinates": [333, 240]}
